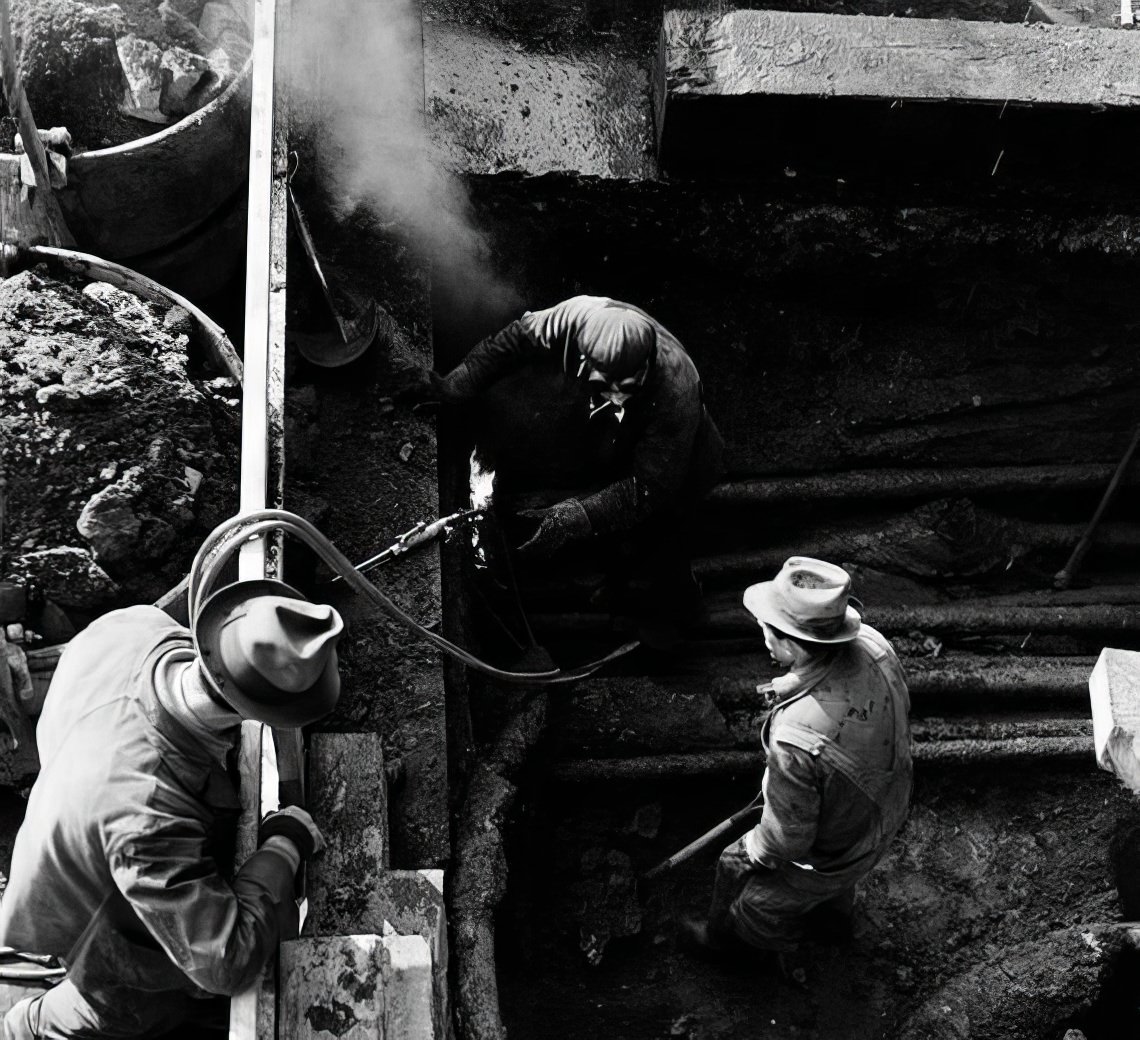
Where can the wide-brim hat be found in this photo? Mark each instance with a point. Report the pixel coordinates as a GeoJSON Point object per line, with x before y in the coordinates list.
{"type": "Point", "coordinates": [269, 653]}
{"type": "Point", "coordinates": [809, 599]}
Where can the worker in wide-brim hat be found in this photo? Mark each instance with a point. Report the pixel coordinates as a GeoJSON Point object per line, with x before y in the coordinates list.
{"type": "Point", "coordinates": [838, 777]}
{"type": "Point", "coordinates": [120, 869]}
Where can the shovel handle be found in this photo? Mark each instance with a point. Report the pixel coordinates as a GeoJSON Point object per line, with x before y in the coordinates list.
{"type": "Point", "coordinates": [737, 820]}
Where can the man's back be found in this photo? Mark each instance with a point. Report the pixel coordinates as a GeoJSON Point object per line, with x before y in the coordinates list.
{"type": "Point", "coordinates": [104, 761]}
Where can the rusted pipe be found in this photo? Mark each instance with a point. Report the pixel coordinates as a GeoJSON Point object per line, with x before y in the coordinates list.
{"type": "Point", "coordinates": [882, 484]}
{"type": "Point", "coordinates": [1020, 679]}
{"type": "Point", "coordinates": [860, 545]}
{"type": "Point", "coordinates": [964, 617]}
{"type": "Point", "coordinates": [750, 763]}
{"type": "Point", "coordinates": [479, 877]}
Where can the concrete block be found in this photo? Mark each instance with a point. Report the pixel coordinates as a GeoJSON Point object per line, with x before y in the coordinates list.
{"type": "Point", "coordinates": [748, 52]}
{"type": "Point", "coordinates": [348, 797]}
{"type": "Point", "coordinates": [142, 67]}
{"type": "Point", "coordinates": [411, 903]}
{"type": "Point", "coordinates": [356, 987]}
{"type": "Point", "coordinates": [1114, 691]}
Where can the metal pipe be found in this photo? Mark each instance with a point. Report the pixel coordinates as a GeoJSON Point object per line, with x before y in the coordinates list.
{"type": "Point", "coordinates": [654, 768]}
{"type": "Point", "coordinates": [880, 484]}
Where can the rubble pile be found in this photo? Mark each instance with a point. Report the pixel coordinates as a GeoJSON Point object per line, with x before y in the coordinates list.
{"type": "Point", "coordinates": [116, 460]}
{"type": "Point", "coordinates": [112, 72]}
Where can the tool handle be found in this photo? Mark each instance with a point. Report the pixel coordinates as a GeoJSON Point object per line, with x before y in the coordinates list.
{"type": "Point", "coordinates": [748, 814]}
{"type": "Point", "coordinates": [1064, 577]}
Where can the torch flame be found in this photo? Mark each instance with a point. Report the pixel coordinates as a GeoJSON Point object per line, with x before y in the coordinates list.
{"type": "Point", "coordinates": [482, 483]}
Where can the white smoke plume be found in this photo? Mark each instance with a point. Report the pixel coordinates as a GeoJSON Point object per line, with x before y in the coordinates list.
{"type": "Point", "coordinates": [357, 73]}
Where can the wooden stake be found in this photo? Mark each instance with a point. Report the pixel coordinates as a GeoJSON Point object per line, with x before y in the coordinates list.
{"type": "Point", "coordinates": [18, 106]}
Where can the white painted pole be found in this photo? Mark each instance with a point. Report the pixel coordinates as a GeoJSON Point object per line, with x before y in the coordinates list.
{"type": "Point", "coordinates": [252, 1013]}
{"type": "Point", "coordinates": [254, 447]}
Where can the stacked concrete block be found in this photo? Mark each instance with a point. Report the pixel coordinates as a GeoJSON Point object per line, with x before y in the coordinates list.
{"type": "Point", "coordinates": [1114, 689]}
{"type": "Point", "coordinates": [356, 987]}
{"type": "Point", "coordinates": [354, 900]}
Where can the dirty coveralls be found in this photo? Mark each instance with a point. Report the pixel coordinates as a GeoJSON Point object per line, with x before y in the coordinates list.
{"type": "Point", "coordinates": [836, 791]}
{"type": "Point", "coordinates": [114, 870]}
{"type": "Point", "coordinates": [537, 415]}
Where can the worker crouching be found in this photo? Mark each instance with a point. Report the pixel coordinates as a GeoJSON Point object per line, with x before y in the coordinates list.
{"type": "Point", "coordinates": [597, 406]}
{"type": "Point", "coordinates": [119, 867]}
{"type": "Point", "coordinates": [838, 779]}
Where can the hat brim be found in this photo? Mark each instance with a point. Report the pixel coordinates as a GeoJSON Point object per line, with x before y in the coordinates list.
{"type": "Point", "coordinates": [298, 710]}
{"type": "Point", "coordinates": [761, 602]}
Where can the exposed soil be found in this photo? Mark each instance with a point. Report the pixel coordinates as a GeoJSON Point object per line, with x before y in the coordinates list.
{"type": "Point", "coordinates": [988, 868]}
{"type": "Point", "coordinates": [102, 419]}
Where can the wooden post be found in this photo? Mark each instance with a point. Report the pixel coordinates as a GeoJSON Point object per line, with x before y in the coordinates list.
{"type": "Point", "coordinates": [19, 108]}
{"type": "Point", "coordinates": [253, 1013]}
{"type": "Point", "coordinates": [254, 440]}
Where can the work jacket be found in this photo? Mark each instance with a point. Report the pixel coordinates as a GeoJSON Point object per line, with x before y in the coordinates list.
{"type": "Point", "coordinates": [664, 445]}
{"type": "Point", "coordinates": [838, 779]}
{"type": "Point", "coordinates": [113, 870]}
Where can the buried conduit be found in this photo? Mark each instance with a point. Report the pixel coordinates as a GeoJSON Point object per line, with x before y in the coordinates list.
{"type": "Point", "coordinates": [479, 878]}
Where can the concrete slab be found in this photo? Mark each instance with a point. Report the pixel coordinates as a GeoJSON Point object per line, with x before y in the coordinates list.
{"type": "Point", "coordinates": [816, 99]}
{"type": "Point", "coordinates": [495, 108]}
{"type": "Point", "coordinates": [1114, 691]}
{"type": "Point", "coordinates": [819, 55]}
{"type": "Point", "coordinates": [348, 797]}
{"type": "Point", "coordinates": [356, 987]}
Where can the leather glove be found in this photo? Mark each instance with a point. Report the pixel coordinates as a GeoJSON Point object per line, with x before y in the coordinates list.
{"type": "Point", "coordinates": [293, 823]}
{"type": "Point", "coordinates": [418, 385]}
{"type": "Point", "coordinates": [560, 523]}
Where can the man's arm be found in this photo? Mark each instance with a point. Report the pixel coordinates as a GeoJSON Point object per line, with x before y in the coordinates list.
{"type": "Point", "coordinates": [786, 832]}
{"type": "Point", "coordinates": [220, 935]}
{"type": "Point", "coordinates": [488, 361]}
{"type": "Point", "coordinates": [553, 330]}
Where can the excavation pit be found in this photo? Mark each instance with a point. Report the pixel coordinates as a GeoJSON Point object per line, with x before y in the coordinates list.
{"type": "Point", "coordinates": [996, 875]}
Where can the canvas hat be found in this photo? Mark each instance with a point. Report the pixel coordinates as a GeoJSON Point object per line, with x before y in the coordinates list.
{"type": "Point", "coordinates": [618, 341]}
{"type": "Point", "coordinates": [809, 599]}
{"type": "Point", "coordinates": [269, 653]}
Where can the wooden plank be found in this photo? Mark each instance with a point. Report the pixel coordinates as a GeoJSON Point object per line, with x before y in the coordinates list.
{"type": "Point", "coordinates": [747, 52]}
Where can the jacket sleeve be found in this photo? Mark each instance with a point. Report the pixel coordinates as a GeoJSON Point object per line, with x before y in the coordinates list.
{"type": "Point", "coordinates": [489, 360]}
{"type": "Point", "coordinates": [536, 334]}
{"type": "Point", "coordinates": [787, 830]}
{"type": "Point", "coordinates": [220, 934]}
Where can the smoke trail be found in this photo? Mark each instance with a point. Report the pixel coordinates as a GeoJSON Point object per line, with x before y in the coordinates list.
{"type": "Point", "coordinates": [360, 70]}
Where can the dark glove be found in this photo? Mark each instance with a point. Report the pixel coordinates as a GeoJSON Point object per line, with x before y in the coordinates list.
{"type": "Point", "coordinates": [418, 385]}
{"type": "Point", "coordinates": [561, 523]}
{"type": "Point", "coordinates": [293, 823]}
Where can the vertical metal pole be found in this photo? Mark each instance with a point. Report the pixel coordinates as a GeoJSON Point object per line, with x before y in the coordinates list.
{"type": "Point", "coordinates": [254, 446]}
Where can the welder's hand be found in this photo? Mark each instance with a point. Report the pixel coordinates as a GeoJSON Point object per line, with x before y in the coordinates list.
{"type": "Point", "coordinates": [293, 823]}
{"type": "Point", "coordinates": [417, 385]}
{"type": "Point", "coordinates": [12, 655]}
{"type": "Point", "coordinates": [560, 523]}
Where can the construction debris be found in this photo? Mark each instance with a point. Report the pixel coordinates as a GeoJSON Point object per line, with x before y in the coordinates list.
{"type": "Point", "coordinates": [116, 458]}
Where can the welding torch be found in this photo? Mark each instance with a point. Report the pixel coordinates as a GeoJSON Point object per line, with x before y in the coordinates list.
{"type": "Point", "coordinates": [425, 531]}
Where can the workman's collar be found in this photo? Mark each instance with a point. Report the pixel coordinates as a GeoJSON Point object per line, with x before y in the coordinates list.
{"type": "Point", "coordinates": [190, 717]}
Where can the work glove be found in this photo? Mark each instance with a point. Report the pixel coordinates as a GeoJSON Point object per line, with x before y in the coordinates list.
{"type": "Point", "coordinates": [293, 823]}
{"type": "Point", "coordinates": [418, 385]}
{"type": "Point", "coordinates": [560, 523]}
